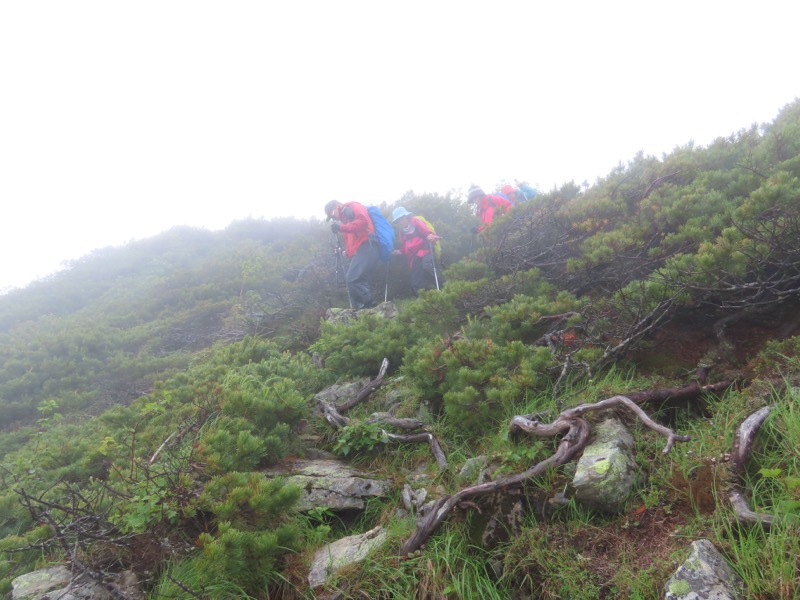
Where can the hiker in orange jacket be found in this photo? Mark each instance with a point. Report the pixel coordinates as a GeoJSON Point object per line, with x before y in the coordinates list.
{"type": "Point", "coordinates": [353, 221]}
{"type": "Point", "coordinates": [487, 204]}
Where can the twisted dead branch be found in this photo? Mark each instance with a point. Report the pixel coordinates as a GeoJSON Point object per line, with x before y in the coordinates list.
{"type": "Point", "coordinates": [334, 418]}
{"type": "Point", "coordinates": [71, 536]}
{"type": "Point", "coordinates": [574, 428]}
{"type": "Point", "coordinates": [742, 446]}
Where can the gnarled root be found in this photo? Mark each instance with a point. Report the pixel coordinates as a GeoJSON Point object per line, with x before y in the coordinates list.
{"type": "Point", "coordinates": [575, 429]}
{"type": "Point", "coordinates": [742, 446]}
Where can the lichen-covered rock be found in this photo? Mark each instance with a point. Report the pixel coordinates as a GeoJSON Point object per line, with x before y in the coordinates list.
{"type": "Point", "coordinates": [606, 472]}
{"type": "Point", "coordinates": [345, 316]}
{"type": "Point", "coordinates": [58, 582]}
{"type": "Point", "coordinates": [36, 584]}
{"type": "Point", "coordinates": [705, 575]}
{"type": "Point", "coordinates": [329, 484]}
{"type": "Point", "coordinates": [335, 556]}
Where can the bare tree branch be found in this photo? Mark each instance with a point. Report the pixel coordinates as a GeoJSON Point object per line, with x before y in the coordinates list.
{"type": "Point", "coordinates": [337, 420]}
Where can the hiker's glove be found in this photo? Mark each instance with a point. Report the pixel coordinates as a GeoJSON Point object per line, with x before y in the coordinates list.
{"type": "Point", "coordinates": [475, 230]}
{"type": "Point", "coordinates": [335, 227]}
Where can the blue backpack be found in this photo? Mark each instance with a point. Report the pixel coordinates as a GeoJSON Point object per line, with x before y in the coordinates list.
{"type": "Point", "coordinates": [384, 232]}
{"type": "Point", "coordinates": [527, 191]}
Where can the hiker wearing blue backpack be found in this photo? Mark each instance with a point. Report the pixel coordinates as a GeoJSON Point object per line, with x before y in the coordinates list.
{"type": "Point", "coordinates": [526, 191]}
{"type": "Point", "coordinates": [418, 243]}
{"type": "Point", "coordinates": [352, 220]}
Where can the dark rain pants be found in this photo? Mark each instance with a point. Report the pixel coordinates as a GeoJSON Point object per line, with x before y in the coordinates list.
{"type": "Point", "coordinates": [423, 275]}
{"type": "Point", "coordinates": [362, 264]}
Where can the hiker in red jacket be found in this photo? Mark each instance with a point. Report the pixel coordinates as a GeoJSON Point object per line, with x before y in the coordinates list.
{"type": "Point", "coordinates": [487, 205]}
{"type": "Point", "coordinates": [417, 241]}
{"type": "Point", "coordinates": [352, 220]}
{"type": "Point", "coordinates": [509, 192]}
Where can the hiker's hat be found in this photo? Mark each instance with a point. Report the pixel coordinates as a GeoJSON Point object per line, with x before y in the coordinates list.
{"type": "Point", "coordinates": [399, 212]}
{"type": "Point", "coordinates": [330, 209]}
{"type": "Point", "coordinates": [475, 193]}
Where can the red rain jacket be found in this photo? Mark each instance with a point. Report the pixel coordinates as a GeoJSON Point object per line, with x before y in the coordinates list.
{"type": "Point", "coordinates": [356, 226]}
{"type": "Point", "coordinates": [488, 204]}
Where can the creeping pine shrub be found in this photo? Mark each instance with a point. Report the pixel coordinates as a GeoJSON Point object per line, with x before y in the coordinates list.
{"type": "Point", "coordinates": [248, 559]}
{"type": "Point", "coordinates": [445, 312]}
{"type": "Point", "coordinates": [230, 444]}
{"type": "Point", "coordinates": [298, 368]}
{"type": "Point", "coordinates": [255, 423]}
{"type": "Point", "coordinates": [249, 500]}
{"type": "Point", "coordinates": [263, 402]}
{"type": "Point", "coordinates": [357, 349]}
{"type": "Point", "coordinates": [477, 380]}
{"type": "Point", "coordinates": [468, 269]}
{"type": "Point", "coordinates": [254, 529]}
{"type": "Point", "coordinates": [525, 317]}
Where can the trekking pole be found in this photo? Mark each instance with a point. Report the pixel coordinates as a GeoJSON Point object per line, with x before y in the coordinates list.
{"type": "Point", "coordinates": [433, 262]}
{"type": "Point", "coordinates": [386, 289]}
{"type": "Point", "coordinates": [339, 266]}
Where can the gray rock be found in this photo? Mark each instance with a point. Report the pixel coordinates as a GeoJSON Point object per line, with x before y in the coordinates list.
{"type": "Point", "coordinates": [705, 575]}
{"type": "Point", "coordinates": [606, 472]}
{"type": "Point", "coordinates": [345, 316]}
{"type": "Point", "coordinates": [412, 499]}
{"type": "Point", "coordinates": [339, 392]}
{"type": "Point", "coordinates": [57, 583]}
{"type": "Point", "coordinates": [36, 584]}
{"type": "Point", "coordinates": [330, 559]}
{"type": "Point", "coordinates": [329, 484]}
{"type": "Point", "coordinates": [473, 469]}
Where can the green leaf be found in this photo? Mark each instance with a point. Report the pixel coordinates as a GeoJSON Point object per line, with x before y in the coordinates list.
{"type": "Point", "coordinates": [770, 473]}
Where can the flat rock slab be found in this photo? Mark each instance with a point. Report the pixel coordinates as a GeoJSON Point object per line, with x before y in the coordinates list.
{"type": "Point", "coordinates": [328, 483]}
{"type": "Point", "coordinates": [36, 584]}
{"type": "Point", "coordinates": [341, 553]}
{"type": "Point", "coordinates": [58, 583]}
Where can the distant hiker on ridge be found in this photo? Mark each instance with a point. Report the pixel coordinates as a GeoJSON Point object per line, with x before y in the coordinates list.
{"type": "Point", "coordinates": [353, 221]}
{"type": "Point", "coordinates": [418, 239]}
{"type": "Point", "coordinates": [509, 192]}
{"type": "Point", "coordinates": [526, 190]}
{"type": "Point", "coordinates": [486, 204]}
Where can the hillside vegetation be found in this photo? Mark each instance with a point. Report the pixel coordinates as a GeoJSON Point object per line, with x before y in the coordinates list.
{"type": "Point", "coordinates": [144, 389]}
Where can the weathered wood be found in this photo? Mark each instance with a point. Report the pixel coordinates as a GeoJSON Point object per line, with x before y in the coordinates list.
{"type": "Point", "coordinates": [742, 447]}
{"type": "Point", "coordinates": [571, 444]}
{"type": "Point", "coordinates": [746, 515]}
{"type": "Point", "coordinates": [332, 415]}
{"type": "Point", "coordinates": [337, 420]}
{"type": "Point", "coordinates": [365, 392]}
{"type": "Point", "coordinates": [436, 447]}
{"type": "Point", "coordinates": [571, 423]}
{"type": "Point", "coordinates": [399, 422]}
{"type": "Point", "coordinates": [686, 392]}
{"type": "Point", "coordinates": [744, 439]}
